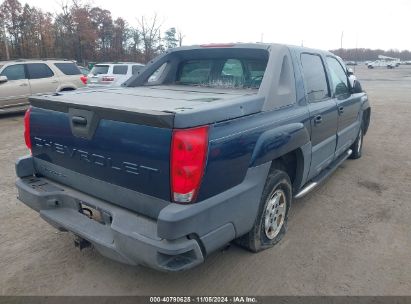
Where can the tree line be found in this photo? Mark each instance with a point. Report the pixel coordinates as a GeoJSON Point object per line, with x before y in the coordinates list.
{"type": "Point", "coordinates": [82, 32]}
{"type": "Point", "coordinates": [362, 54]}
{"type": "Point", "coordinates": [89, 33]}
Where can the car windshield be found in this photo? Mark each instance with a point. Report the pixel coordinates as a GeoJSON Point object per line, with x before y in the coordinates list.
{"type": "Point", "coordinates": [99, 69]}
{"type": "Point", "coordinates": [223, 73]}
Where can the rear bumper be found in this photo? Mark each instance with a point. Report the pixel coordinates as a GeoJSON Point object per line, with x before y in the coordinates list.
{"type": "Point", "coordinates": [125, 236]}
{"type": "Point", "coordinates": [179, 238]}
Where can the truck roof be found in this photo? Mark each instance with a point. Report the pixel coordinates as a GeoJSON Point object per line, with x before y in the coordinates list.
{"type": "Point", "coordinates": [256, 45]}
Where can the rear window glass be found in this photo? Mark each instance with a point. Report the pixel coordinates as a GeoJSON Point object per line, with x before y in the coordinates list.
{"type": "Point", "coordinates": [39, 70]}
{"type": "Point", "coordinates": [68, 68]}
{"type": "Point", "coordinates": [136, 68]}
{"type": "Point", "coordinates": [120, 69]}
{"type": "Point", "coordinates": [99, 69]}
{"type": "Point", "coordinates": [225, 73]}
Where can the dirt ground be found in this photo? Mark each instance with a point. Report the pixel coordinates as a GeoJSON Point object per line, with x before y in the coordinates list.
{"type": "Point", "coordinates": [352, 236]}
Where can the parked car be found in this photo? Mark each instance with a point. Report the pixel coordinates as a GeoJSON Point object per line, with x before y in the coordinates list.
{"type": "Point", "coordinates": [83, 70]}
{"type": "Point", "coordinates": [382, 63]}
{"type": "Point", "coordinates": [21, 78]}
{"type": "Point", "coordinates": [208, 144]}
{"type": "Point", "coordinates": [112, 74]}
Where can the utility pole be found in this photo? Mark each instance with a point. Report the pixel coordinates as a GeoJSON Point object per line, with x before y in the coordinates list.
{"type": "Point", "coordinates": [3, 26]}
{"type": "Point", "coordinates": [262, 38]}
{"type": "Point", "coordinates": [341, 46]}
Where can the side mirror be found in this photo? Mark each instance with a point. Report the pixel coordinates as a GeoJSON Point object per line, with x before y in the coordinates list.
{"type": "Point", "coordinates": [350, 71]}
{"type": "Point", "coordinates": [3, 79]}
{"type": "Point", "coordinates": [357, 87]}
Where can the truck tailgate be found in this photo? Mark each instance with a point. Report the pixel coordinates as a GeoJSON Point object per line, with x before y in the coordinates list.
{"type": "Point", "coordinates": [98, 145]}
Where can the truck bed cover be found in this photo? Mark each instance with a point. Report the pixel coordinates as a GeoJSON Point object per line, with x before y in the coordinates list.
{"type": "Point", "coordinates": [158, 105]}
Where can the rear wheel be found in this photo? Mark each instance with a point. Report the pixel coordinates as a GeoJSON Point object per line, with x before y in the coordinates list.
{"type": "Point", "coordinates": [271, 222]}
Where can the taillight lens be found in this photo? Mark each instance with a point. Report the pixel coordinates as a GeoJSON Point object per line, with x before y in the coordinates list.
{"type": "Point", "coordinates": [107, 78]}
{"type": "Point", "coordinates": [83, 79]}
{"type": "Point", "coordinates": [27, 128]}
{"type": "Point", "coordinates": [188, 155]}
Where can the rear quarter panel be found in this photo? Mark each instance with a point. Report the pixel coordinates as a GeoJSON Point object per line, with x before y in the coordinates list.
{"type": "Point", "coordinates": [238, 144]}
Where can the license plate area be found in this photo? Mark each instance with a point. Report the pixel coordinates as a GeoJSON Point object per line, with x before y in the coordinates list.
{"type": "Point", "coordinates": [95, 214]}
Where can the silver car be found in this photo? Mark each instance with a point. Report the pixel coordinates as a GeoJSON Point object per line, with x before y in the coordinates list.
{"type": "Point", "coordinates": [112, 74]}
{"type": "Point", "coordinates": [21, 78]}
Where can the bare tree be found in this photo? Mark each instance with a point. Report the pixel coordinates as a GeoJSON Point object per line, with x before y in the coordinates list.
{"type": "Point", "coordinates": [79, 31]}
{"type": "Point", "coordinates": [180, 37]}
{"type": "Point", "coordinates": [150, 33]}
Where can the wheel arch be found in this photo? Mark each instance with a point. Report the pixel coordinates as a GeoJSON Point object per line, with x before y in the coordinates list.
{"type": "Point", "coordinates": [287, 148]}
{"type": "Point", "coordinates": [66, 88]}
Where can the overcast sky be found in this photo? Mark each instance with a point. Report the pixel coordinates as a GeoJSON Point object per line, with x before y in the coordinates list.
{"type": "Point", "coordinates": [315, 23]}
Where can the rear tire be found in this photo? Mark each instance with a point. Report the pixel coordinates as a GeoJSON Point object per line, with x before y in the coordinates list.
{"type": "Point", "coordinates": [271, 222]}
{"type": "Point", "coordinates": [357, 145]}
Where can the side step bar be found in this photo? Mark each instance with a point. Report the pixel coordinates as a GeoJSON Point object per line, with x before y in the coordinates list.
{"type": "Point", "coordinates": [323, 175]}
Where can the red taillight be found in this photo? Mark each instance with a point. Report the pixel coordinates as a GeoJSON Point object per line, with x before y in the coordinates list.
{"type": "Point", "coordinates": [83, 79]}
{"type": "Point", "coordinates": [188, 156]}
{"type": "Point", "coordinates": [107, 78]}
{"type": "Point", "coordinates": [27, 128]}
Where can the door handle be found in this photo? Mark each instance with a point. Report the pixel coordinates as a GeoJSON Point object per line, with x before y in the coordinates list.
{"type": "Point", "coordinates": [23, 85]}
{"type": "Point", "coordinates": [318, 119]}
{"type": "Point", "coordinates": [79, 120]}
{"type": "Point", "coordinates": [55, 81]}
{"type": "Point", "coordinates": [340, 110]}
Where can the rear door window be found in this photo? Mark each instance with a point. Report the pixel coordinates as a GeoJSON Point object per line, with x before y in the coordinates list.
{"type": "Point", "coordinates": [14, 72]}
{"type": "Point", "coordinates": [68, 68]}
{"type": "Point", "coordinates": [120, 69]}
{"type": "Point", "coordinates": [99, 69]}
{"type": "Point", "coordinates": [39, 70]}
{"type": "Point", "coordinates": [315, 77]}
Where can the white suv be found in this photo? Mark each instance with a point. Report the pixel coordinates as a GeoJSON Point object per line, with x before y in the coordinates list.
{"type": "Point", "coordinates": [112, 74]}
{"type": "Point", "coordinates": [21, 78]}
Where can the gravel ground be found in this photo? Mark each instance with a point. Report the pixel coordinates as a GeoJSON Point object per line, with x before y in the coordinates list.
{"type": "Point", "coordinates": [352, 236]}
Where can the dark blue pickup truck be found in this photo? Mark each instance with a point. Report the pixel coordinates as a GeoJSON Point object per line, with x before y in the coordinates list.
{"type": "Point", "coordinates": [206, 145]}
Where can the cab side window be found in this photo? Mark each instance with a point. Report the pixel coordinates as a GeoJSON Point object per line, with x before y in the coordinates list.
{"type": "Point", "coordinates": [315, 78]}
{"type": "Point", "coordinates": [338, 77]}
{"type": "Point", "coordinates": [39, 70]}
{"type": "Point", "coordinates": [14, 72]}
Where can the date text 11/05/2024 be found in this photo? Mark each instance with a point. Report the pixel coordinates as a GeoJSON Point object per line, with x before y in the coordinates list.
{"type": "Point", "coordinates": [200, 299]}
